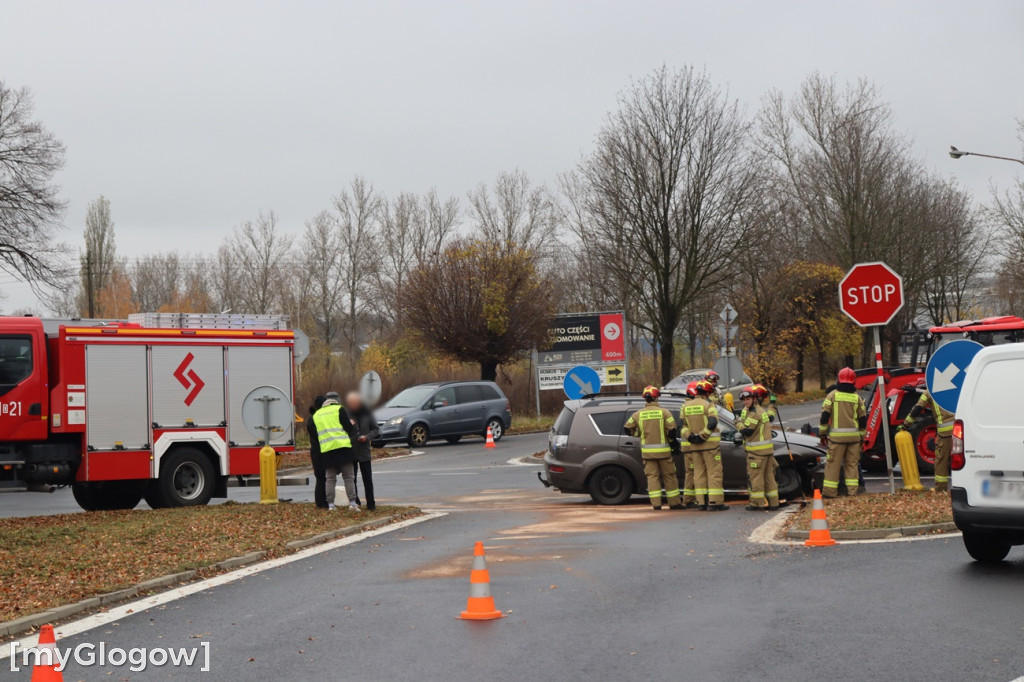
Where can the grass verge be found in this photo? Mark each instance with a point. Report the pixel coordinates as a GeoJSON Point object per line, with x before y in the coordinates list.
{"type": "Point", "coordinates": [881, 510]}
{"type": "Point", "coordinates": [48, 561]}
{"type": "Point", "coordinates": [801, 397]}
{"type": "Point", "coordinates": [531, 424]}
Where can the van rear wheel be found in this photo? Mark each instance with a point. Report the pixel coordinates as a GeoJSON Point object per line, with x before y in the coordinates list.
{"type": "Point", "coordinates": [986, 549]}
{"type": "Point", "coordinates": [610, 485]}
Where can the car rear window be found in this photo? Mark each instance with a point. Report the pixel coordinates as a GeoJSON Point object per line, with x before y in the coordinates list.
{"type": "Point", "coordinates": [488, 393]}
{"type": "Point", "coordinates": [467, 394]}
{"type": "Point", "coordinates": [564, 422]}
{"type": "Point", "coordinates": [609, 423]}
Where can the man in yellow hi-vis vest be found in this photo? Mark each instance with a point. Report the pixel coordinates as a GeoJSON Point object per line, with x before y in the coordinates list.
{"type": "Point", "coordinates": [843, 421]}
{"type": "Point", "coordinates": [944, 421]}
{"type": "Point", "coordinates": [335, 433]}
{"type": "Point", "coordinates": [656, 428]}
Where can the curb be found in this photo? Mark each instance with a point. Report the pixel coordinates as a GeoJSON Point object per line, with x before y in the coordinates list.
{"type": "Point", "coordinates": [27, 623]}
{"type": "Point", "coordinates": [880, 533]}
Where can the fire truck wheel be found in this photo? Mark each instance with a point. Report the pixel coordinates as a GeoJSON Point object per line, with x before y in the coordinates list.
{"type": "Point", "coordinates": [924, 445]}
{"type": "Point", "coordinates": [186, 478]}
{"type": "Point", "coordinates": [106, 495]}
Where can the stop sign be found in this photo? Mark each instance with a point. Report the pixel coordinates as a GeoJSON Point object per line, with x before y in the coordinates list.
{"type": "Point", "coordinates": [871, 294]}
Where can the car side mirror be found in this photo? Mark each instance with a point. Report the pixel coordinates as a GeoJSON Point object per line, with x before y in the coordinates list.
{"type": "Point", "coordinates": [437, 405]}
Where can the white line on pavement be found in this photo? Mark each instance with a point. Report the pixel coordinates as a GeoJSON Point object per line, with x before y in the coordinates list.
{"type": "Point", "coordinates": [124, 610]}
{"type": "Point", "coordinates": [458, 473]}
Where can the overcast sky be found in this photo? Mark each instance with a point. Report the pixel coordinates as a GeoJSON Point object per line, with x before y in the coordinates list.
{"type": "Point", "coordinates": [191, 117]}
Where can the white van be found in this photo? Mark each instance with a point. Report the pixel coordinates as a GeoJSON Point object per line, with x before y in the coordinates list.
{"type": "Point", "coordinates": [988, 454]}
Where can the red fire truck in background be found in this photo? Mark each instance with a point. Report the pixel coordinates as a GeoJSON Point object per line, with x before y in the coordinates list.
{"type": "Point", "coordinates": [163, 407]}
{"type": "Point", "coordinates": [902, 384]}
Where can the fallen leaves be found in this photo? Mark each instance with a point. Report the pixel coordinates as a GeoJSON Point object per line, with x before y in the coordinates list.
{"type": "Point", "coordinates": [882, 510]}
{"type": "Point", "coordinates": [47, 561]}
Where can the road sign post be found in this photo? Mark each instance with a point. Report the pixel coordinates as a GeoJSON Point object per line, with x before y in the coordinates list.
{"type": "Point", "coordinates": [871, 294]}
{"type": "Point", "coordinates": [728, 315]}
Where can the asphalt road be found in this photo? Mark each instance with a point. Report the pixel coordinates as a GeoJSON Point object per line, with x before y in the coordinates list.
{"type": "Point", "coordinates": [591, 593]}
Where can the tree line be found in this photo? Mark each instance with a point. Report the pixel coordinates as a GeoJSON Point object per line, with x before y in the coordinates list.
{"type": "Point", "coordinates": [687, 200]}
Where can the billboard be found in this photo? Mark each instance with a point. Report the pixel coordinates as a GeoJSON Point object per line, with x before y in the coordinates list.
{"type": "Point", "coordinates": [597, 340]}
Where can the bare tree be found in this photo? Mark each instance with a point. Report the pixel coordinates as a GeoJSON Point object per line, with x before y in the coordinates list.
{"type": "Point", "coordinates": [156, 280]}
{"type": "Point", "coordinates": [667, 197]}
{"type": "Point", "coordinates": [30, 210]}
{"type": "Point", "coordinates": [435, 226]}
{"type": "Point", "coordinates": [513, 213]}
{"type": "Point", "coordinates": [401, 221]}
{"type": "Point", "coordinates": [321, 253]}
{"type": "Point", "coordinates": [259, 252]}
{"type": "Point", "coordinates": [963, 247]}
{"type": "Point", "coordinates": [358, 210]}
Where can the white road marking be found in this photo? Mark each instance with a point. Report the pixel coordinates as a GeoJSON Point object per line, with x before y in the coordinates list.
{"type": "Point", "coordinates": [124, 610]}
{"type": "Point", "coordinates": [457, 473]}
{"type": "Point", "coordinates": [766, 533]}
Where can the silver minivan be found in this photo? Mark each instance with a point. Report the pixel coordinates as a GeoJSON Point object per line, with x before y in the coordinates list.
{"type": "Point", "coordinates": [449, 410]}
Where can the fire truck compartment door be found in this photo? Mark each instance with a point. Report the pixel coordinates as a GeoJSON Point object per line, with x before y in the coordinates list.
{"type": "Point", "coordinates": [250, 368]}
{"type": "Point", "coordinates": [188, 384]}
{"type": "Point", "coordinates": [116, 402]}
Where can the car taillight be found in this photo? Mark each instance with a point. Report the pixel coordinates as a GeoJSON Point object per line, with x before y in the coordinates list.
{"type": "Point", "coordinates": [957, 459]}
{"type": "Point", "coordinates": [556, 469]}
{"type": "Point", "coordinates": [508, 406]}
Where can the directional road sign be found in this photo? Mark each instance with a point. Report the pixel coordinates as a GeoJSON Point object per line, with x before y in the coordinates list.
{"type": "Point", "coordinates": [369, 388]}
{"type": "Point", "coordinates": [581, 381]}
{"type": "Point", "coordinates": [728, 313]}
{"type": "Point", "coordinates": [871, 294]}
{"type": "Point", "coordinates": [946, 371]}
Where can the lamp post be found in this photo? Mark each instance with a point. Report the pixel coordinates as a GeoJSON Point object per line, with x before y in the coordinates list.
{"type": "Point", "coordinates": [956, 154]}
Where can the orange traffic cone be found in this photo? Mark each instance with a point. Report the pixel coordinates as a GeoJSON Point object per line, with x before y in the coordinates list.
{"type": "Point", "coordinates": [47, 673]}
{"type": "Point", "coordinates": [490, 439]}
{"type": "Point", "coordinates": [820, 535]}
{"type": "Point", "coordinates": [480, 605]}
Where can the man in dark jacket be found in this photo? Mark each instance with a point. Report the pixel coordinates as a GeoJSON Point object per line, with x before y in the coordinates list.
{"type": "Point", "coordinates": [366, 427]}
{"type": "Point", "coordinates": [319, 475]}
{"type": "Point", "coordinates": [336, 434]}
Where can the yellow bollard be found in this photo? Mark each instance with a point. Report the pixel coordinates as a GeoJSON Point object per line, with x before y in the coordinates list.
{"type": "Point", "coordinates": [908, 461]}
{"type": "Point", "coordinates": [268, 475]}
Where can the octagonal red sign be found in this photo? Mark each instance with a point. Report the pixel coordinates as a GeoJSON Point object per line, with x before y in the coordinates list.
{"type": "Point", "coordinates": [871, 294]}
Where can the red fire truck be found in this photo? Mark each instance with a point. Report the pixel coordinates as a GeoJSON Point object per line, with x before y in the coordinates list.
{"type": "Point", "coordinates": [902, 390]}
{"type": "Point", "coordinates": [122, 411]}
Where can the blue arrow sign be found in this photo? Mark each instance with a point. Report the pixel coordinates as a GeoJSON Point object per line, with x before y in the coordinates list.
{"type": "Point", "coordinates": [580, 381]}
{"type": "Point", "coordinates": [946, 371]}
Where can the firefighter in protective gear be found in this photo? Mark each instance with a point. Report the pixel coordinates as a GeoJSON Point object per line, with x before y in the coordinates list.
{"type": "Point", "coordinates": [756, 430]}
{"type": "Point", "coordinates": [656, 428]}
{"type": "Point", "coordinates": [943, 436]}
{"type": "Point", "coordinates": [689, 487]}
{"type": "Point", "coordinates": [719, 397]}
{"type": "Point", "coordinates": [766, 399]}
{"type": "Point", "coordinates": [843, 420]}
{"type": "Point", "coordinates": [700, 430]}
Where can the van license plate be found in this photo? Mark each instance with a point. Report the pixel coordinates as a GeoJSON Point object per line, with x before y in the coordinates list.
{"type": "Point", "coordinates": [1004, 489]}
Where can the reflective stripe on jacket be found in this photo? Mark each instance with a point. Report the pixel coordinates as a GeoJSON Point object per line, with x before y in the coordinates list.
{"type": "Point", "coordinates": [696, 420]}
{"type": "Point", "coordinates": [760, 441]}
{"type": "Point", "coordinates": [845, 409]}
{"type": "Point", "coordinates": [329, 432]}
{"type": "Point", "coordinates": [652, 424]}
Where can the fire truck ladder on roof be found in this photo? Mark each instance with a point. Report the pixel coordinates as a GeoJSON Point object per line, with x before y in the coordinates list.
{"type": "Point", "coordinates": [209, 321]}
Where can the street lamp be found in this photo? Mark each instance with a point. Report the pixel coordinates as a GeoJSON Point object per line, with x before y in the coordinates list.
{"type": "Point", "coordinates": [956, 154]}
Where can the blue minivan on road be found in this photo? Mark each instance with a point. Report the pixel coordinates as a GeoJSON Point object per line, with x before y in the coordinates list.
{"type": "Point", "coordinates": [448, 410]}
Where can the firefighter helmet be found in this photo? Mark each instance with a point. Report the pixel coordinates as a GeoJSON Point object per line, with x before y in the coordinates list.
{"type": "Point", "coordinates": [704, 386]}
{"type": "Point", "coordinates": [651, 393]}
{"type": "Point", "coordinates": [712, 376]}
{"type": "Point", "coordinates": [759, 391]}
{"type": "Point", "coordinates": [748, 392]}
{"type": "Point", "coordinates": [847, 376]}
{"type": "Point", "coordinates": [691, 389]}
